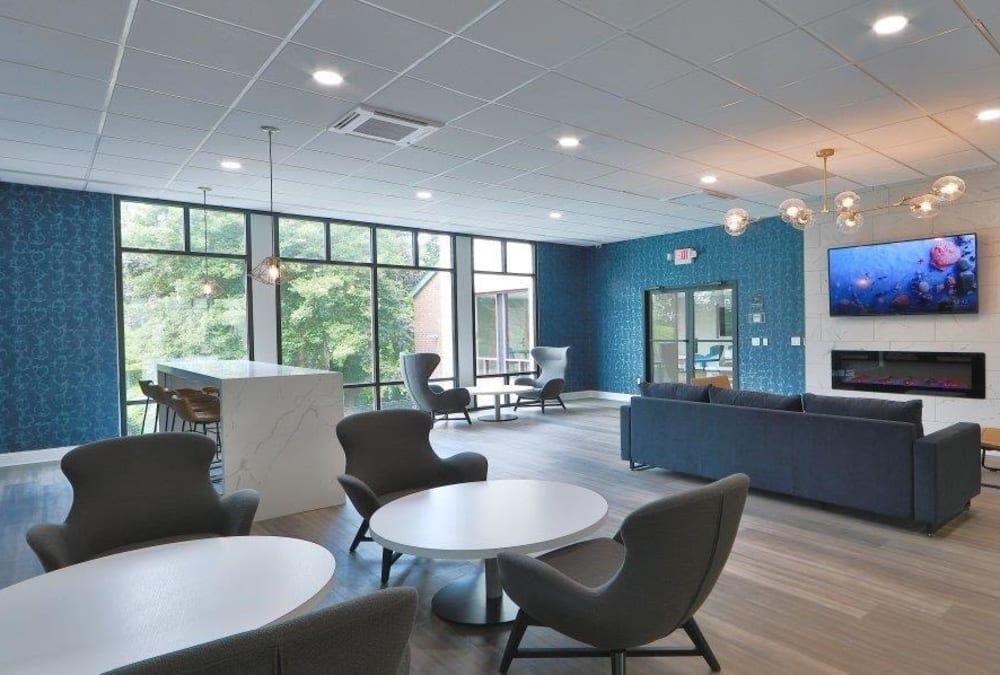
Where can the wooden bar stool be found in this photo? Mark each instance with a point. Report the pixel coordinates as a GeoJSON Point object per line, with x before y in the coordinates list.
{"type": "Point", "coordinates": [198, 409]}
{"type": "Point", "coordinates": [146, 386]}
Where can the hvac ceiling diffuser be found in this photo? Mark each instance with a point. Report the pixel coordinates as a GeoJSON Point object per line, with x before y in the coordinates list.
{"type": "Point", "coordinates": [383, 126]}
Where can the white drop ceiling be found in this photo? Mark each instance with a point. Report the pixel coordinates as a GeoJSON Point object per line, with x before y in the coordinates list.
{"type": "Point", "coordinates": [145, 97]}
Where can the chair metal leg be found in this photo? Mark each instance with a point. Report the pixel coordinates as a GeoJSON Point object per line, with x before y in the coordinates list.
{"type": "Point", "coordinates": [559, 398]}
{"type": "Point", "coordinates": [701, 644]}
{"type": "Point", "coordinates": [618, 663]}
{"type": "Point", "coordinates": [542, 401]}
{"type": "Point", "coordinates": [513, 640]}
{"type": "Point", "coordinates": [518, 402]}
{"type": "Point", "coordinates": [388, 558]}
{"type": "Point", "coordinates": [360, 536]}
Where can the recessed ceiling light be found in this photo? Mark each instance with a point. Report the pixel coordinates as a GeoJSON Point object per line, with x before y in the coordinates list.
{"type": "Point", "coordinates": [888, 25]}
{"type": "Point", "coordinates": [709, 179]}
{"type": "Point", "coordinates": [555, 215]}
{"type": "Point", "coordinates": [330, 78]}
{"type": "Point", "coordinates": [989, 115]}
{"type": "Point", "coordinates": [569, 141]}
{"type": "Point", "coordinates": [230, 165]}
{"type": "Point", "coordinates": [425, 194]}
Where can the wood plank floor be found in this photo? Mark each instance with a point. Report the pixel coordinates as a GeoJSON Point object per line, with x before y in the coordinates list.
{"type": "Point", "coordinates": [807, 589]}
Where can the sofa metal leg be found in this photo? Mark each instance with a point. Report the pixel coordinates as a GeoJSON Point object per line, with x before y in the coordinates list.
{"type": "Point", "coordinates": [701, 644]}
{"type": "Point", "coordinates": [618, 663]}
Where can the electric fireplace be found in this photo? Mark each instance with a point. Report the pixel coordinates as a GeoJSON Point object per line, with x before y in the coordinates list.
{"type": "Point", "coordinates": [960, 374]}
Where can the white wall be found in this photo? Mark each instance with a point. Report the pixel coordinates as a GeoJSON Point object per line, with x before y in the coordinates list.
{"type": "Point", "coordinates": [978, 211]}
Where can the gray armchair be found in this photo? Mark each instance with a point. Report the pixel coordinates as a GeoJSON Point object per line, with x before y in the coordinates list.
{"type": "Point", "coordinates": [389, 455]}
{"type": "Point", "coordinates": [618, 594]}
{"type": "Point", "coordinates": [364, 636]}
{"type": "Point", "coordinates": [432, 398]}
{"type": "Point", "coordinates": [551, 381]}
{"type": "Point", "coordinates": [140, 491]}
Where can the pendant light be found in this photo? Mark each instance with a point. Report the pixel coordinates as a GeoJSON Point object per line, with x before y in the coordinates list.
{"type": "Point", "coordinates": [209, 288]}
{"type": "Point", "coordinates": [271, 270]}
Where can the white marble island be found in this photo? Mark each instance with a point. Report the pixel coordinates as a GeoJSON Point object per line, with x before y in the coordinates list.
{"type": "Point", "coordinates": [278, 429]}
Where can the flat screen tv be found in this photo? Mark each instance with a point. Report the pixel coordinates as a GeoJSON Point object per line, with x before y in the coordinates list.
{"type": "Point", "coordinates": [918, 276]}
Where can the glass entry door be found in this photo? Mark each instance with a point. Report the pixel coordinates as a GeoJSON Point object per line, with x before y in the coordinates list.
{"type": "Point", "coordinates": [690, 332]}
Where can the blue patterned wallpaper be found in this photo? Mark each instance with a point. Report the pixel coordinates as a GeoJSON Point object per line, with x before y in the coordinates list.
{"type": "Point", "coordinates": [58, 349]}
{"type": "Point", "coordinates": [565, 307]}
{"type": "Point", "coordinates": [766, 261]}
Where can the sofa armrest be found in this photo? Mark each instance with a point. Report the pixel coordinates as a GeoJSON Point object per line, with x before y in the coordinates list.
{"type": "Point", "coordinates": [946, 473]}
{"type": "Point", "coordinates": [625, 413]}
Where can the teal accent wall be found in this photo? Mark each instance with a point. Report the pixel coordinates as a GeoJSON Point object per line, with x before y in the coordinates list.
{"type": "Point", "coordinates": [565, 308]}
{"type": "Point", "coordinates": [58, 346]}
{"type": "Point", "coordinates": [766, 261]}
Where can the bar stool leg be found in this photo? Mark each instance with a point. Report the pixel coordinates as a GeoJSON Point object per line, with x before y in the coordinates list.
{"type": "Point", "coordinates": [145, 412]}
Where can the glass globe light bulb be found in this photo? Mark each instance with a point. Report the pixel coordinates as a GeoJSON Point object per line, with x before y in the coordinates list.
{"type": "Point", "coordinates": [925, 206]}
{"type": "Point", "coordinates": [848, 221]}
{"type": "Point", "coordinates": [272, 272]}
{"type": "Point", "coordinates": [948, 188]}
{"type": "Point", "coordinates": [736, 221]}
{"type": "Point", "coordinates": [790, 209]}
{"type": "Point", "coordinates": [803, 219]}
{"type": "Point", "coordinates": [847, 201]}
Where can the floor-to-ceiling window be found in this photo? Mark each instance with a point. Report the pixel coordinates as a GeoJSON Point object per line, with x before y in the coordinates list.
{"type": "Point", "coordinates": [168, 252]}
{"type": "Point", "coordinates": [360, 296]}
{"type": "Point", "coordinates": [504, 308]}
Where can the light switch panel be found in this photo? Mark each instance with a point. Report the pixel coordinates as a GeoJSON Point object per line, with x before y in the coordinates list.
{"type": "Point", "coordinates": [755, 342]}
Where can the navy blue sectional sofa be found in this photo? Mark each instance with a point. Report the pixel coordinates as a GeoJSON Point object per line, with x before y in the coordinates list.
{"type": "Point", "coordinates": [882, 466]}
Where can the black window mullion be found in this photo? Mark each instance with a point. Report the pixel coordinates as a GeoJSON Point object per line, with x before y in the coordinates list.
{"type": "Point", "coordinates": [187, 229]}
{"type": "Point", "coordinates": [326, 237]}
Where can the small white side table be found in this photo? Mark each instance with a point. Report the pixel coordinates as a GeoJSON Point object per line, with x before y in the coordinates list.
{"type": "Point", "coordinates": [496, 391]}
{"type": "Point", "coordinates": [476, 521]}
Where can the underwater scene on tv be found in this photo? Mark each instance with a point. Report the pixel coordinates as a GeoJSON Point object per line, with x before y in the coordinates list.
{"type": "Point", "coordinates": [919, 276]}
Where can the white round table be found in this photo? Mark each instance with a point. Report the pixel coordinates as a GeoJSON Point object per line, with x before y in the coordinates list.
{"type": "Point", "coordinates": [113, 611]}
{"type": "Point", "coordinates": [476, 521]}
{"type": "Point", "coordinates": [496, 391]}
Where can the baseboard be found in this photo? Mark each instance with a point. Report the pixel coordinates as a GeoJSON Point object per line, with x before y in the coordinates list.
{"type": "Point", "coordinates": [33, 456]}
{"type": "Point", "coordinates": [593, 393]}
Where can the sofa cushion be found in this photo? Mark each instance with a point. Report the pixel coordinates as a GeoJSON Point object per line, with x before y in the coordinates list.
{"type": "Point", "coordinates": [868, 408]}
{"type": "Point", "coordinates": [754, 399]}
{"type": "Point", "coordinates": [676, 391]}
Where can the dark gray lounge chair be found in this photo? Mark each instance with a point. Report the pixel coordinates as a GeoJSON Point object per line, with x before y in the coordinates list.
{"type": "Point", "coordinates": [551, 381]}
{"type": "Point", "coordinates": [432, 398]}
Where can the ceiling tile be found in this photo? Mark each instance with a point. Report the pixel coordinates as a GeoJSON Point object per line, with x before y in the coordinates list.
{"type": "Point", "coordinates": [717, 154]}
{"type": "Point", "coordinates": [349, 28]}
{"type": "Point", "coordinates": [747, 116]}
{"type": "Point", "coordinates": [422, 160]}
{"type": "Point", "coordinates": [140, 150]}
{"type": "Point", "coordinates": [215, 178]}
{"type": "Point", "coordinates": [324, 161]}
{"type": "Point", "coordinates": [474, 69]}
{"type": "Point", "coordinates": [101, 19]}
{"type": "Point", "coordinates": [545, 32]}
{"type": "Point", "coordinates": [561, 98]}
{"type": "Point", "coordinates": [295, 64]}
{"type": "Point", "coordinates": [625, 13]}
{"type": "Point", "coordinates": [670, 166]}
{"type": "Point", "coordinates": [637, 183]}
{"type": "Point", "coordinates": [245, 148]}
{"type": "Point", "coordinates": [767, 66]}
{"type": "Point", "coordinates": [248, 125]}
{"type": "Point", "coordinates": [927, 148]}
{"type": "Point", "coordinates": [267, 16]}
{"type": "Point", "coordinates": [695, 32]}
{"type": "Point", "coordinates": [162, 108]}
{"type": "Point", "coordinates": [460, 143]}
{"type": "Point", "coordinates": [22, 109]}
{"type": "Point", "coordinates": [351, 146]}
{"type": "Point", "coordinates": [36, 133]}
{"type": "Point", "coordinates": [503, 122]}
{"type": "Point", "coordinates": [33, 45]}
{"type": "Point", "coordinates": [445, 14]}
{"type": "Point", "coordinates": [962, 88]}
{"type": "Point", "coordinates": [901, 133]}
{"type": "Point", "coordinates": [850, 31]}
{"type": "Point", "coordinates": [132, 128]}
{"type": "Point", "coordinates": [941, 165]}
{"type": "Point", "coordinates": [873, 169]}
{"type": "Point", "coordinates": [42, 179]}
{"type": "Point", "coordinates": [625, 66]}
{"type": "Point", "coordinates": [691, 94]}
{"type": "Point", "coordinates": [376, 187]}
{"type": "Point", "coordinates": [294, 104]}
{"type": "Point", "coordinates": [793, 134]}
{"type": "Point", "coordinates": [424, 101]}
{"type": "Point", "coordinates": [183, 35]}
{"type": "Point", "coordinates": [622, 154]}
{"type": "Point", "coordinates": [393, 174]}
{"type": "Point", "coordinates": [574, 168]}
{"type": "Point", "coordinates": [761, 165]}
{"type": "Point", "coordinates": [933, 61]}
{"type": "Point", "coordinates": [140, 167]}
{"type": "Point", "coordinates": [179, 78]}
{"type": "Point", "coordinates": [48, 85]}
{"type": "Point", "coordinates": [38, 168]}
{"type": "Point", "coordinates": [805, 11]}
{"type": "Point", "coordinates": [852, 118]}
{"type": "Point", "coordinates": [635, 123]}
{"type": "Point", "coordinates": [843, 86]}
{"type": "Point", "coordinates": [524, 157]}
{"type": "Point", "coordinates": [484, 173]}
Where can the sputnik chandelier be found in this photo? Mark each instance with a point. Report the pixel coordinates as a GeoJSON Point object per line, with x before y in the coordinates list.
{"type": "Point", "coordinates": [847, 204]}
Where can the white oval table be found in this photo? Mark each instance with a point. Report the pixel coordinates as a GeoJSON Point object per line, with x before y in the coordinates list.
{"type": "Point", "coordinates": [476, 521]}
{"type": "Point", "coordinates": [113, 611]}
{"type": "Point", "coordinates": [496, 391]}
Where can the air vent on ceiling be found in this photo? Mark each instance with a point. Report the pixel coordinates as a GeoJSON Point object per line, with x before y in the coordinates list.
{"type": "Point", "coordinates": [383, 126]}
{"type": "Point", "coordinates": [700, 198]}
{"type": "Point", "coordinates": [718, 194]}
{"type": "Point", "coordinates": [784, 179]}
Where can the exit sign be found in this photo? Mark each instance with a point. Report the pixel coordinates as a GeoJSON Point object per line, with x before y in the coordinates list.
{"type": "Point", "coordinates": [684, 256]}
